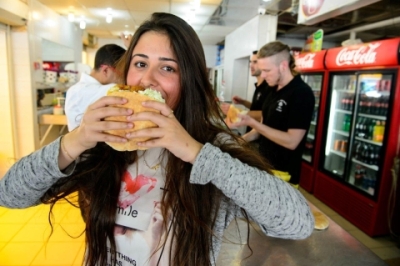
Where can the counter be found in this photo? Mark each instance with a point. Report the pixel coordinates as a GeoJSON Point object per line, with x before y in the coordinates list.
{"type": "Point", "coordinates": [333, 246]}
{"type": "Point", "coordinates": [52, 122]}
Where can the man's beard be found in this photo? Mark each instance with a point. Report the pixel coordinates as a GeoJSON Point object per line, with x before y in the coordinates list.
{"type": "Point", "coordinates": [256, 73]}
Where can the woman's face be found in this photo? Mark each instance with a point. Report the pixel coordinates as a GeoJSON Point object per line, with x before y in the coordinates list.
{"type": "Point", "coordinates": [154, 65]}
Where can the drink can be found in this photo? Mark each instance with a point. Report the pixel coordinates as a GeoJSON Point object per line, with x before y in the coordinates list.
{"type": "Point", "coordinates": [343, 146]}
{"type": "Point", "coordinates": [338, 144]}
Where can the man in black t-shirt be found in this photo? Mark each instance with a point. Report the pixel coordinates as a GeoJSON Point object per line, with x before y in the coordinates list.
{"type": "Point", "coordinates": [286, 112]}
{"type": "Point", "coordinates": [260, 93]}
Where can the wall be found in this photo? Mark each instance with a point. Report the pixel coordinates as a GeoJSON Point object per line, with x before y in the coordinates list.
{"type": "Point", "coordinates": [238, 47]}
{"type": "Point", "coordinates": [55, 52]}
{"type": "Point", "coordinates": [6, 134]}
{"type": "Point", "coordinates": [19, 134]}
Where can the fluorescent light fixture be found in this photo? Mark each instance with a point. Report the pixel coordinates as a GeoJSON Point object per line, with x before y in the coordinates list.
{"type": "Point", "coordinates": [71, 16]}
{"type": "Point", "coordinates": [82, 24]}
{"type": "Point", "coordinates": [109, 18]}
{"type": "Point", "coordinates": [196, 3]}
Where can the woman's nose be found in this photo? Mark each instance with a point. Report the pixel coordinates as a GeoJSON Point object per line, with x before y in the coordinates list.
{"type": "Point", "coordinates": [149, 79]}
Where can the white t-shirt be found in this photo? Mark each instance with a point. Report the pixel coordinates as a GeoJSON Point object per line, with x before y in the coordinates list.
{"type": "Point", "coordinates": [139, 222]}
{"type": "Point", "coordinates": [80, 96]}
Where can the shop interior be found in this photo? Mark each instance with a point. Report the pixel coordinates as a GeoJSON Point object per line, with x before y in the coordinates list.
{"type": "Point", "coordinates": [39, 63]}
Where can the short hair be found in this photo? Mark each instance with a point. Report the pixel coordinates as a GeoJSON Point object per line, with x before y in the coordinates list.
{"type": "Point", "coordinates": [255, 52]}
{"type": "Point", "coordinates": [108, 54]}
{"type": "Point", "coordinates": [280, 49]}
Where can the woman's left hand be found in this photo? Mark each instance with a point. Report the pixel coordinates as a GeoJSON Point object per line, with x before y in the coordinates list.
{"type": "Point", "coordinates": [169, 134]}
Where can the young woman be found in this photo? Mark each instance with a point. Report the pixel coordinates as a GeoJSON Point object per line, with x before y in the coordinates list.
{"type": "Point", "coordinates": [170, 204]}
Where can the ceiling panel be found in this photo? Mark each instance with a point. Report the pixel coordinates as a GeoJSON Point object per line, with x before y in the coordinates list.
{"type": "Point", "coordinates": [217, 18]}
{"type": "Point", "coordinates": [148, 6]}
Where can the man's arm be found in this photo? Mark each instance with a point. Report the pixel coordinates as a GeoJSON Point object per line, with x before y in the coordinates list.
{"type": "Point", "coordinates": [238, 100]}
{"type": "Point", "coordinates": [252, 135]}
{"type": "Point", "coordinates": [289, 139]}
{"type": "Point", "coordinates": [255, 114]}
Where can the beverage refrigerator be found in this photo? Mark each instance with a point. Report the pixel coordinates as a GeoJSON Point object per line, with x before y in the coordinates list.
{"type": "Point", "coordinates": [312, 70]}
{"type": "Point", "coordinates": [360, 133]}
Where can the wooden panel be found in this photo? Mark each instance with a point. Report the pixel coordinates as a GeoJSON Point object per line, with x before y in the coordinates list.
{"type": "Point", "coordinates": [53, 120]}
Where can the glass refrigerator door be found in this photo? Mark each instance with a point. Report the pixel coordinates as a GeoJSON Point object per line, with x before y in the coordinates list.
{"type": "Point", "coordinates": [371, 111]}
{"type": "Point", "coordinates": [342, 90]}
{"type": "Point", "coordinates": [315, 82]}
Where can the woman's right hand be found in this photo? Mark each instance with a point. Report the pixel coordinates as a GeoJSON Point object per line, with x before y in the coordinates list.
{"type": "Point", "coordinates": [92, 127]}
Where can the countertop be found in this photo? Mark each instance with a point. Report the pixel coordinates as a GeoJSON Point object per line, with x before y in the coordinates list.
{"type": "Point", "coordinates": [333, 246]}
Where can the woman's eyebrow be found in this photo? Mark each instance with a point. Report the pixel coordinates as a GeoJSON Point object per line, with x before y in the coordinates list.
{"type": "Point", "coordinates": [140, 55]}
{"type": "Point", "coordinates": [167, 59]}
{"type": "Point", "coordinates": [160, 58]}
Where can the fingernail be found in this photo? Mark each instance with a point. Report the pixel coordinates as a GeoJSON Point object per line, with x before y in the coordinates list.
{"type": "Point", "coordinates": [129, 125]}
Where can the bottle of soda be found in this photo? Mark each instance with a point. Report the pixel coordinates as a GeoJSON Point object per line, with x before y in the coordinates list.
{"type": "Point", "coordinates": [365, 153]}
{"type": "Point", "coordinates": [365, 180]}
{"type": "Point", "coordinates": [358, 178]}
{"type": "Point", "coordinates": [347, 125]}
{"type": "Point", "coordinates": [371, 126]}
{"type": "Point", "coordinates": [371, 160]}
{"type": "Point", "coordinates": [358, 125]}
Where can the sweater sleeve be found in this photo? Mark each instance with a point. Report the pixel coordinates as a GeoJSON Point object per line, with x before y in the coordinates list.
{"type": "Point", "coordinates": [279, 209]}
{"type": "Point", "coordinates": [30, 177]}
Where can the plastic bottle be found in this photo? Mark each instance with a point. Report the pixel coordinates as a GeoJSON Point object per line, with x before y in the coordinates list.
{"type": "Point", "coordinates": [371, 126]}
{"type": "Point", "coordinates": [358, 178]}
{"type": "Point", "coordinates": [376, 132]}
{"type": "Point", "coordinates": [381, 131]}
{"type": "Point", "coordinates": [348, 121]}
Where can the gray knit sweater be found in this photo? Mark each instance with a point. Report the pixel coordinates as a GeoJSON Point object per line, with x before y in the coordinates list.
{"type": "Point", "coordinates": [280, 210]}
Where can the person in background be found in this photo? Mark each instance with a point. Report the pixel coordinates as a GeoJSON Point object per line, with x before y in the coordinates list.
{"type": "Point", "coordinates": [194, 178]}
{"type": "Point", "coordinates": [259, 95]}
{"type": "Point", "coordinates": [92, 87]}
{"type": "Point", "coordinates": [286, 113]}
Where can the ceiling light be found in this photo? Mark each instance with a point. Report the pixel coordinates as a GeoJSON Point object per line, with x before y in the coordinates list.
{"type": "Point", "coordinates": [82, 24]}
{"type": "Point", "coordinates": [109, 18]}
{"type": "Point", "coordinates": [109, 15]}
{"type": "Point", "coordinates": [71, 16]}
{"type": "Point", "coordinates": [196, 3]}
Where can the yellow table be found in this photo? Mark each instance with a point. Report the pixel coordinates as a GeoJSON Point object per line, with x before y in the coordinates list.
{"type": "Point", "coordinates": [52, 120]}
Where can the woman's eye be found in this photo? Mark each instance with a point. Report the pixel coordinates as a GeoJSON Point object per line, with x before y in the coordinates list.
{"type": "Point", "coordinates": [140, 64]}
{"type": "Point", "coordinates": [169, 69]}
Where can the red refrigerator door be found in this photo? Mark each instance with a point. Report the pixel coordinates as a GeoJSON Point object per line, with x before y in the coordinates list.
{"type": "Point", "coordinates": [315, 81]}
{"type": "Point", "coordinates": [355, 134]}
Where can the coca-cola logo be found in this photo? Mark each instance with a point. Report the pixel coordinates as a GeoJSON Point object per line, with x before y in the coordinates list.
{"type": "Point", "coordinates": [365, 54]}
{"type": "Point", "coordinates": [306, 61]}
{"type": "Point", "coordinates": [311, 7]}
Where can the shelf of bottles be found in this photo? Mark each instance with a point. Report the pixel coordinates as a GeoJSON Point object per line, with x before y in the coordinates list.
{"type": "Point", "coordinates": [339, 127]}
{"type": "Point", "coordinates": [315, 82]}
{"type": "Point", "coordinates": [358, 111]}
{"type": "Point", "coordinates": [372, 109]}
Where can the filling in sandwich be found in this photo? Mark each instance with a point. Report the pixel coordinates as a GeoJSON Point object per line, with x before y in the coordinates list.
{"type": "Point", "coordinates": [156, 95]}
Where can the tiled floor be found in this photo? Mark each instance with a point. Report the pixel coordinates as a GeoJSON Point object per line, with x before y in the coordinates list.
{"type": "Point", "coordinates": [24, 236]}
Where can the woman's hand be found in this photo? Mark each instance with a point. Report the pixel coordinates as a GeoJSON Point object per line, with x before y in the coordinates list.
{"type": "Point", "coordinates": [169, 134]}
{"type": "Point", "coordinates": [92, 127]}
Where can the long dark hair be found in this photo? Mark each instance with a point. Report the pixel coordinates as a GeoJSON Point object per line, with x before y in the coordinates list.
{"type": "Point", "coordinates": [194, 207]}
